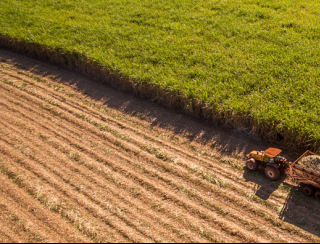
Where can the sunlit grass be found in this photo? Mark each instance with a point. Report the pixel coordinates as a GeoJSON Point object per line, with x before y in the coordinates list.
{"type": "Point", "coordinates": [254, 58]}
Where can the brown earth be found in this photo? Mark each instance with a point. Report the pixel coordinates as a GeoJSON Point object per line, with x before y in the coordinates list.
{"type": "Point", "coordinates": [82, 162]}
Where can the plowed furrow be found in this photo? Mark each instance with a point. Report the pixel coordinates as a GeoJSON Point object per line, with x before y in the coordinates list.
{"type": "Point", "coordinates": [45, 192]}
{"type": "Point", "coordinates": [51, 179]}
{"type": "Point", "coordinates": [37, 219]}
{"type": "Point", "coordinates": [9, 231]}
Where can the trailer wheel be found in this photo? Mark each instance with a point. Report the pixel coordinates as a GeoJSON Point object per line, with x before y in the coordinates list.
{"type": "Point", "coordinates": [251, 164]}
{"type": "Point", "coordinates": [272, 173]}
{"type": "Point", "coordinates": [308, 190]}
{"type": "Point", "coordinates": [317, 194]}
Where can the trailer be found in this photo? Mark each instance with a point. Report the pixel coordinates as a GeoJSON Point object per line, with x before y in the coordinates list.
{"type": "Point", "coordinates": [273, 165]}
{"type": "Point", "coordinates": [308, 177]}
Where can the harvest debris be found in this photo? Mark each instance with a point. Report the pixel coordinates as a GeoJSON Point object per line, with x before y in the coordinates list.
{"type": "Point", "coordinates": [312, 162]}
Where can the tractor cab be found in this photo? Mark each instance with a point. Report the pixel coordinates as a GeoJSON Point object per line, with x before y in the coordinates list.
{"type": "Point", "coordinates": [272, 155]}
{"type": "Point", "coordinates": [268, 156]}
{"type": "Point", "coordinates": [269, 160]}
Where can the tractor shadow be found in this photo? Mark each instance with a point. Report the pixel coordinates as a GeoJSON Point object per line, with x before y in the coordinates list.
{"type": "Point", "coordinates": [302, 211]}
{"type": "Point", "coordinates": [264, 186]}
{"type": "Point", "coordinates": [298, 209]}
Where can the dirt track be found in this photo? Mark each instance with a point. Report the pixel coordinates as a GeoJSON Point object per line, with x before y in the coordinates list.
{"type": "Point", "coordinates": [82, 162]}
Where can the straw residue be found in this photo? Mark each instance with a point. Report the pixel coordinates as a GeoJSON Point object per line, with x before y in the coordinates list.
{"type": "Point", "coordinates": [311, 162]}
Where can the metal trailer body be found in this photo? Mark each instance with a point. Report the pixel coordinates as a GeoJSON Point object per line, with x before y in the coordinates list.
{"type": "Point", "coordinates": [274, 165]}
{"type": "Point", "coordinates": [310, 178]}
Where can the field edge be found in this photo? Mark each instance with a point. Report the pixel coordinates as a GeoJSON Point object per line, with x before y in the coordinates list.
{"type": "Point", "coordinates": [79, 63]}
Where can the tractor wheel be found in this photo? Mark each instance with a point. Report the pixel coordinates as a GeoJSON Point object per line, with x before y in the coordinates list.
{"type": "Point", "coordinates": [272, 173]}
{"type": "Point", "coordinates": [251, 164]}
{"type": "Point", "coordinates": [317, 194]}
{"type": "Point", "coordinates": [308, 190]}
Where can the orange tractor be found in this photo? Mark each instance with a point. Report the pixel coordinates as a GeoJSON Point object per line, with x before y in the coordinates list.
{"type": "Point", "coordinates": [273, 165]}
{"type": "Point", "coordinates": [269, 161]}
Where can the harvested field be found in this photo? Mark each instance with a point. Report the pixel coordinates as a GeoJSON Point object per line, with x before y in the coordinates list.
{"type": "Point", "coordinates": [83, 163]}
